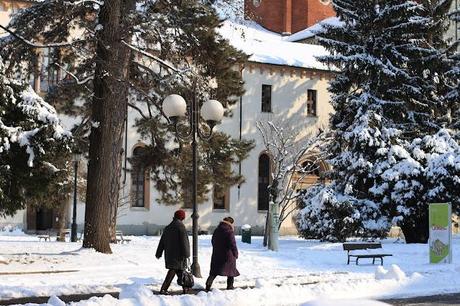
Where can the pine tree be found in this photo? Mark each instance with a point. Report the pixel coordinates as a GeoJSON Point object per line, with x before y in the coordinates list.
{"type": "Point", "coordinates": [118, 54]}
{"type": "Point", "coordinates": [31, 141]}
{"type": "Point", "coordinates": [388, 94]}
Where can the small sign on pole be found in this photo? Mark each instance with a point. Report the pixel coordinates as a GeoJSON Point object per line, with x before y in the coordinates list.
{"type": "Point", "coordinates": [440, 222]}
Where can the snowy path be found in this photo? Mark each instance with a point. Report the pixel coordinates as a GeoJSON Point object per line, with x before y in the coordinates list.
{"type": "Point", "coordinates": [306, 270]}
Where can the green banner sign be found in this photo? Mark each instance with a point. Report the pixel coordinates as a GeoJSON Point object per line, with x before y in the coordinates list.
{"type": "Point", "coordinates": [440, 222]}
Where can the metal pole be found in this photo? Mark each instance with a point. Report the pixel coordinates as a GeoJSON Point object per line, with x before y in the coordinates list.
{"type": "Point", "coordinates": [73, 235]}
{"type": "Point", "coordinates": [196, 271]}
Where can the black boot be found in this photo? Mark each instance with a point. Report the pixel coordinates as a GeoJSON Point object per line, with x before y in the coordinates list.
{"type": "Point", "coordinates": [167, 282]}
{"type": "Point", "coordinates": [209, 282]}
{"type": "Point", "coordinates": [230, 281]}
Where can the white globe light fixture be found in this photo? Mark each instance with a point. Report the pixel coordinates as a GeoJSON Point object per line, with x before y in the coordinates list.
{"type": "Point", "coordinates": [174, 106]}
{"type": "Point", "coordinates": [212, 111]}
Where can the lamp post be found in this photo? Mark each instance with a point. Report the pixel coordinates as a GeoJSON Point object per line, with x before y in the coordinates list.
{"type": "Point", "coordinates": [212, 111]}
{"type": "Point", "coordinates": [76, 157]}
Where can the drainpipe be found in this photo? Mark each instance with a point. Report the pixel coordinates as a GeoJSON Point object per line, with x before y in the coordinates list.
{"type": "Point", "coordinates": [241, 129]}
{"type": "Point", "coordinates": [126, 146]}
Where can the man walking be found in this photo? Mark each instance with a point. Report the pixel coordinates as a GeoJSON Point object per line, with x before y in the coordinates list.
{"type": "Point", "coordinates": [174, 242]}
{"type": "Point", "coordinates": [224, 254]}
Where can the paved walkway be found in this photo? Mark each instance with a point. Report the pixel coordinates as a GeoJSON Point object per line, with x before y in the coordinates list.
{"type": "Point", "coordinates": [434, 300]}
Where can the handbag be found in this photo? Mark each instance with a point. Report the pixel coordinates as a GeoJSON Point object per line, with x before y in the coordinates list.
{"type": "Point", "coordinates": [186, 280]}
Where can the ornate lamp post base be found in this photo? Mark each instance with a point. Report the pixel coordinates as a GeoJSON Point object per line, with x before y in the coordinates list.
{"type": "Point", "coordinates": [196, 270]}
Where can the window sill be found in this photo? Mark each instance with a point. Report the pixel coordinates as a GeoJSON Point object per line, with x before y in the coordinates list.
{"type": "Point", "coordinates": [262, 211]}
{"type": "Point", "coordinates": [135, 208]}
{"type": "Point", "coordinates": [220, 210]}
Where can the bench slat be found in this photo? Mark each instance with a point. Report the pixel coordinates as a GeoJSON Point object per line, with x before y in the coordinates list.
{"type": "Point", "coordinates": [361, 246]}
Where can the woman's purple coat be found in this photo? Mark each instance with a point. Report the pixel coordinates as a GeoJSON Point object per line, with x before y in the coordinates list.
{"type": "Point", "coordinates": [224, 251]}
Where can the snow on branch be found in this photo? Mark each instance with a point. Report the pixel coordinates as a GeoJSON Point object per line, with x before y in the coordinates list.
{"type": "Point", "coordinates": [40, 46]}
{"type": "Point", "coordinates": [153, 57]}
{"type": "Point", "coordinates": [100, 3]}
{"type": "Point", "coordinates": [288, 153]}
{"type": "Point", "coordinates": [79, 82]}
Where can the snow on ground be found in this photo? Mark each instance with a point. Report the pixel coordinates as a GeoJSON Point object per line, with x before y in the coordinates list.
{"type": "Point", "coordinates": [302, 272]}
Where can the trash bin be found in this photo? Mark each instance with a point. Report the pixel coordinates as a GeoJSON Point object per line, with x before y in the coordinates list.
{"type": "Point", "coordinates": [246, 233]}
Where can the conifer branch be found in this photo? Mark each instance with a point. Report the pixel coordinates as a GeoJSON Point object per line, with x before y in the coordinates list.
{"type": "Point", "coordinates": [100, 3]}
{"type": "Point", "coordinates": [153, 57]}
{"type": "Point", "coordinates": [138, 110]}
{"type": "Point", "coordinates": [39, 46]}
{"type": "Point", "coordinates": [79, 82]}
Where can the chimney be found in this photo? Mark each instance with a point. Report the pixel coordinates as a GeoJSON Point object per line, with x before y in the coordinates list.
{"type": "Point", "coordinates": [287, 16]}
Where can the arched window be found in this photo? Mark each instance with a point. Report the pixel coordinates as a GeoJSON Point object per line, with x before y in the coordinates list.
{"type": "Point", "coordinates": [311, 172]}
{"type": "Point", "coordinates": [311, 168]}
{"type": "Point", "coordinates": [264, 182]}
{"type": "Point", "coordinates": [139, 179]}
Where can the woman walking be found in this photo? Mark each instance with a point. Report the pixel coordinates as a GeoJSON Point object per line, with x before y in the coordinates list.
{"type": "Point", "coordinates": [174, 242]}
{"type": "Point", "coordinates": [224, 254]}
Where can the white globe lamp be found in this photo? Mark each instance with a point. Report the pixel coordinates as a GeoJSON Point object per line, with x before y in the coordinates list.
{"type": "Point", "coordinates": [212, 111]}
{"type": "Point", "coordinates": [174, 106]}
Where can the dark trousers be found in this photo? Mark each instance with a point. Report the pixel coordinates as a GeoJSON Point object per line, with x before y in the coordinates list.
{"type": "Point", "coordinates": [211, 278]}
{"type": "Point", "coordinates": [169, 277]}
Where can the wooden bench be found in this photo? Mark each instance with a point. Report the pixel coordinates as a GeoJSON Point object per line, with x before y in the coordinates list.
{"type": "Point", "coordinates": [66, 233]}
{"type": "Point", "coordinates": [120, 239]}
{"type": "Point", "coordinates": [353, 246]}
{"type": "Point", "coordinates": [45, 237]}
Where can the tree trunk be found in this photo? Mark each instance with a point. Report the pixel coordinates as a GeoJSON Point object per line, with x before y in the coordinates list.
{"type": "Point", "coordinates": [116, 202]}
{"type": "Point", "coordinates": [108, 115]}
{"type": "Point", "coordinates": [62, 221]}
{"type": "Point", "coordinates": [416, 231]}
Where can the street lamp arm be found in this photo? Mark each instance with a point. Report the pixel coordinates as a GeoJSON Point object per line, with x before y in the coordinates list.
{"type": "Point", "coordinates": [182, 135]}
{"type": "Point", "coordinates": [206, 135]}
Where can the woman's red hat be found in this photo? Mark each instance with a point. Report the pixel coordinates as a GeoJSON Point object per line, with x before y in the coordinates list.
{"type": "Point", "coordinates": [179, 214]}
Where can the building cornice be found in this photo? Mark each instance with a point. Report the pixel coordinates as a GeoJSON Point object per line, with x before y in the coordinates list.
{"type": "Point", "coordinates": [301, 72]}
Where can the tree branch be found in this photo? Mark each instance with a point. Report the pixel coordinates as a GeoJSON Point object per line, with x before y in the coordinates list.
{"type": "Point", "coordinates": [138, 110]}
{"type": "Point", "coordinates": [153, 57]}
{"type": "Point", "coordinates": [100, 3]}
{"type": "Point", "coordinates": [79, 82]}
{"type": "Point", "coordinates": [39, 46]}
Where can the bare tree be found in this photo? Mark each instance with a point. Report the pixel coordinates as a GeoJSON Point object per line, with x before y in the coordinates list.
{"type": "Point", "coordinates": [295, 157]}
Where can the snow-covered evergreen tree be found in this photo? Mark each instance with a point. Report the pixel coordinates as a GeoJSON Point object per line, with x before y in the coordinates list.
{"type": "Point", "coordinates": [390, 92]}
{"type": "Point", "coordinates": [32, 139]}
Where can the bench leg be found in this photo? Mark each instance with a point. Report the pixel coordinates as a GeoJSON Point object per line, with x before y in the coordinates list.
{"type": "Point", "coordinates": [381, 261]}
{"type": "Point", "coordinates": [357, 258]}
{"type": "Point", "coordinates": [373, 260]}
{"type": "Point", "coordinates": [348, 262]}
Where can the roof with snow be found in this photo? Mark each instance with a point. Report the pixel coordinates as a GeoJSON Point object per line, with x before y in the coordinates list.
{"type": "Point", "coordinates": [268, 47]}
{"type": "Point", "coordinates": [314, 29]}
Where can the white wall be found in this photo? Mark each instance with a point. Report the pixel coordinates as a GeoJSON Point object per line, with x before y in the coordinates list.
{"type": "Point", "coordinates": [288, 104]}
{"type": "Point", "coordinates": [18, 219]}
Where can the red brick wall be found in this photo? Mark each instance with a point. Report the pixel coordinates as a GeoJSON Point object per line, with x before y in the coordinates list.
{"type": "Point", "coordinates": [299, 15]}
{"type": "Point", "coordinates": [269, 14]}
{"type": "Point", "coordinates": [317, 12]}
{"type": "Point", "coordinates": [287, 15]}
